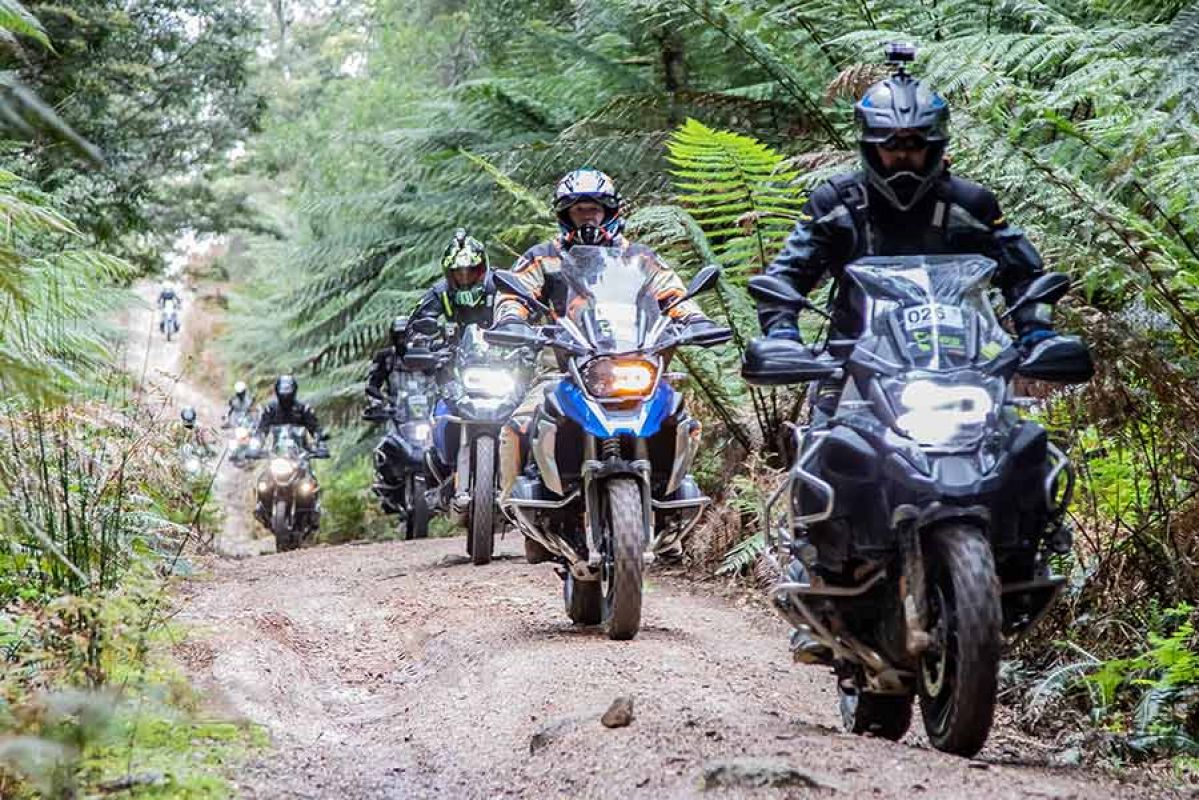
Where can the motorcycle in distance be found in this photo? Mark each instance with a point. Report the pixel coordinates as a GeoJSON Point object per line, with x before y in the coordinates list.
{"type": "Point", "coordinates": [487, 384]}
{"type": "Point", "coordinates": [402, 470]}
{"type": "Point", "coordinates": [924, 511]}
{"type": "Point", "coordinates": [288, 497]}
{"type": "Point", "coordinates": [614, 443]}
{"type": "Point", "coordinates": [168, 321]}
{"type": "Point", "coordinates": [243, 443]}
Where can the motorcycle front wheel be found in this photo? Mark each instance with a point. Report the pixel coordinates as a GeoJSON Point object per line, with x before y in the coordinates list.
{"type": "Point", "coordinates": [622, 593]}
{"type": "Point", "coordinates": [959, 674]}
{"type": "Point", "coordinates": [285, 538]}
{"type": "Point", "coordinates": [482, 502]}
{"type": "Point", "coordinates": [416, 524]}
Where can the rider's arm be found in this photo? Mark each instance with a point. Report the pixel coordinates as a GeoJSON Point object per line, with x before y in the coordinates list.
{"type": "Point", "coordinates": [309, 420]}
{"type": "Point", "coordinates": [380, 368]}
{"type": "Point", "coordinates": [266, 419]}
{"type": "Point", "coordinates": [432, 303]}
{"type": "Point", "coordinates": [530, 271]}
{"type": "Point", "coordinates": [817, 243]}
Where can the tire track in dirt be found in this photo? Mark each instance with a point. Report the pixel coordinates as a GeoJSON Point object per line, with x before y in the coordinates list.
{"type": "Point", "coordinates": [396, 671]}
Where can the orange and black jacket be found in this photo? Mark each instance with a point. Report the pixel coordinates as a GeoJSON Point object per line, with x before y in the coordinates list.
{"type": "Point", "coordinates": [540, 271]}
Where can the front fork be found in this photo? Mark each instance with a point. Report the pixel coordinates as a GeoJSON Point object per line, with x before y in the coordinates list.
{"type": "Point", "coordinates": [602, 459]}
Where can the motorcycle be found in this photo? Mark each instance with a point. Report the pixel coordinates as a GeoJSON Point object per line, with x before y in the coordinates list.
{"type": "Point", "coordinates": [402, 470]}
{"type": "Point", "coordinates": [925, 510]}
{"type": "Point", "coordinates": [242, 442]}
{"type": "Point", "coordinates": [168, 322]}
{"type": "Point", "coordinates": [288, 498]}
{"type": "Point", "coordinates": [613, 444]}
{"type": "Point", "coordinates": [487, 385]}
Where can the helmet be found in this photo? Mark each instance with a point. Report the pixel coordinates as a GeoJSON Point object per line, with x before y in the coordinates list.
{"type": "Point", "coordinates": [902, 113]}
{"type": "Point", "coordinates": [593, 186]}
{"type": "Point", "coordinates": [286, 389]}
{"type": "Point", "coordinates": [188, 415]}
{"type": "Point", "coordinates": [399, 331]}
{"type": "Point", "coordinates": [464, 264]}
{"type": "Point", "coordinates": [239, 388]}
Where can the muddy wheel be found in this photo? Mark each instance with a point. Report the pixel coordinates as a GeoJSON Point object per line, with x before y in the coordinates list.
{"type": "Point", "coordinates": [883, 715]}
{"type": "Point", "coordinates": [285, 537]}
{"type": "Point", "coordinates": [959, 675]}
{"type": "Point", "coordinates": [584, 601]}
{"type": "Point", "coordinates": [482, 502]}
{"type": "Point", "coordinates": [622, 590]}
{"type": "Point", "coordinates": [416, 525]}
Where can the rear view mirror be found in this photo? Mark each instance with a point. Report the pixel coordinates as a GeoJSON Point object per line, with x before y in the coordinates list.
{"type": "Point", "coordinates": [1048, 288]}
{"type": "Point", "coordinates": [1061, 359]}
{"type": "Point", "coordinates": [704, 280]}
{"type": "Point", "coordinates": [508, 282]}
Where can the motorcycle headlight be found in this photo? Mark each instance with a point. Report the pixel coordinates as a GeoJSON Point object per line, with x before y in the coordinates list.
{"type": "Point", "coordinates": [421, 431]}
{"type": "Point", "coordinates": [241, 433]}
{"type": "Point", "coordinates": [936, 412]}
{"type": "Point", "coordinates": [307, 487]}
{"type": "Point", "coordinates": [192, 465]}
{"type": "Point", "coordinates": [619, 377]}
{"type": "Point", "coordinates": [281, 468]}
{"type": "Point", "coordinates": [488, 381]}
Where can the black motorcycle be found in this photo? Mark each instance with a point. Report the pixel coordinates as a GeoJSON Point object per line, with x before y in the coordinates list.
{"type": "Point", "coordinates": [486, 386]}
{"type": "Point", "coordinates": [288, 495]}
{"type": "Point", "coordinates": [402, 458]}
{"type": "Point", "coordinates": [922, 514]}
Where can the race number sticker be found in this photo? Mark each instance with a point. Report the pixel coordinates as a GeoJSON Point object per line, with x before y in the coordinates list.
{"type": "Point", "coordinates": [932, 315]}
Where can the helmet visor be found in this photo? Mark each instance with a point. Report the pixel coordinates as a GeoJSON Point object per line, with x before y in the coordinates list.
{"type": "Point", "coordinates": [466, 277]}
{"type": "Point", "coordinates": [608, 201]}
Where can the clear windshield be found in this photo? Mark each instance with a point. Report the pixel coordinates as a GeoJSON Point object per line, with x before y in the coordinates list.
{"type": "Point", "coordinates": [610, 301]}
{"type": "Point", "coordinates": [287, 440]}
{"type": "Point", "coordinates": [933, 309]}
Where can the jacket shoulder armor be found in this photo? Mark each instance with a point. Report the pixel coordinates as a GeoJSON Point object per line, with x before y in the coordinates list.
{"type": "Point", "coordinates": [833, 192]}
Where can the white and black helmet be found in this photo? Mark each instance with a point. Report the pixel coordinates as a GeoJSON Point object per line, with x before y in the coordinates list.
{"type": "Point", "coordinates": [590, 185]}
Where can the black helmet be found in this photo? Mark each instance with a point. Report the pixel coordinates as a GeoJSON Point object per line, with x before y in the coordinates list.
{"type": "Point", "coordinates": [902, 113]}
{"type": "Point", "coordinates": [593, 186]}
{"type": "Point", "coordinates": [464, 264]}
{"type": "Point", "coordinates": [286, 388]}
{"type": "Point", "coordinates": [399, 332]}
{"type": "Point", "coordinates": [188, 415]}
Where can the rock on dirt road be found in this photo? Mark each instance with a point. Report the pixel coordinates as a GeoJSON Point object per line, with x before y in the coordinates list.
{"type": "Point", "coordinates": [396, 671]}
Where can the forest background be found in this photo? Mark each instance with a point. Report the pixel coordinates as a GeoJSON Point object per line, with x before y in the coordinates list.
{"type": "Point", "coordinates": [334, 145]}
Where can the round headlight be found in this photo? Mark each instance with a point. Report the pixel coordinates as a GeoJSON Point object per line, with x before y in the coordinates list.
{"type": "Point", "coordinates": [281, 468]}
{"type": "Point", "coordinates": [488, 381]}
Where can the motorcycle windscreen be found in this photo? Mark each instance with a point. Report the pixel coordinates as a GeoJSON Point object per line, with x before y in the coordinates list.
{"type": "Point", "coordinates": [610, 304]}
{"type": "Point", "coordinates": [287, 440]}
{"type": "Point", "coordinates": [934, 309]}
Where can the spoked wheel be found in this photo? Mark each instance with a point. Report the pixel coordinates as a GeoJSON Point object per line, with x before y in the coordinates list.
{"type": "Point", "coordinates": [285, 538]}
{"type": "Point", "coordinates": [621, 572]}
{"type": "Point", "coordinates": [416, 524]}
{"type": "Point", "coordinates": [584, 601]}
{"type": "Point", "coordinates": [482, 502]}
{"type": "Point", "coordinates": [885, 715]}
{"type": "Point", "coordinates": [959, 674]}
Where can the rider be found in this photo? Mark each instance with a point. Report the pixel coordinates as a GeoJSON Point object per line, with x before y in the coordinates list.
{"type": "Point", "coordinates": [389, 359]}
{"type": "Point", "coordinates": [465, 294]}
{"type": "Point", "coordinates": [241, 403]}
{"type": "Point", "coordinates": [286, 409]}
{"type": "Point", "coordinates": [903, 201]}
{"type": "Point", "coordinates": [196, 439]}
{"type": "Point", "coordinates": [167, 294]}
{"type": "Point", "coordinates": [588, 209]}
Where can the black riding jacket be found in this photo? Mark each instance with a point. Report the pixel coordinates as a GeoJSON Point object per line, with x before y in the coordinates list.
{"type": "Point", "coordinates": [845, 219]}
{"type": "Point", "coordinates": [438, 302]}
{"type": "Point", "coordinates": [296, 414]}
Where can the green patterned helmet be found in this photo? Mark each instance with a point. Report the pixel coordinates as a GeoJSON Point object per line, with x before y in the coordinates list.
{"type": "Point", "coordinates": [464, 264]}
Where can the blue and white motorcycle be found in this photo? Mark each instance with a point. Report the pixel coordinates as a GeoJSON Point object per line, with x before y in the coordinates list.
{"type": "Point", "coordinates": [613, 443]}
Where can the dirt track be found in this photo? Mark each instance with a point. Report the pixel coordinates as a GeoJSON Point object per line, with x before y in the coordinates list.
{"type": "Point", "coordinates": [400, 671]}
